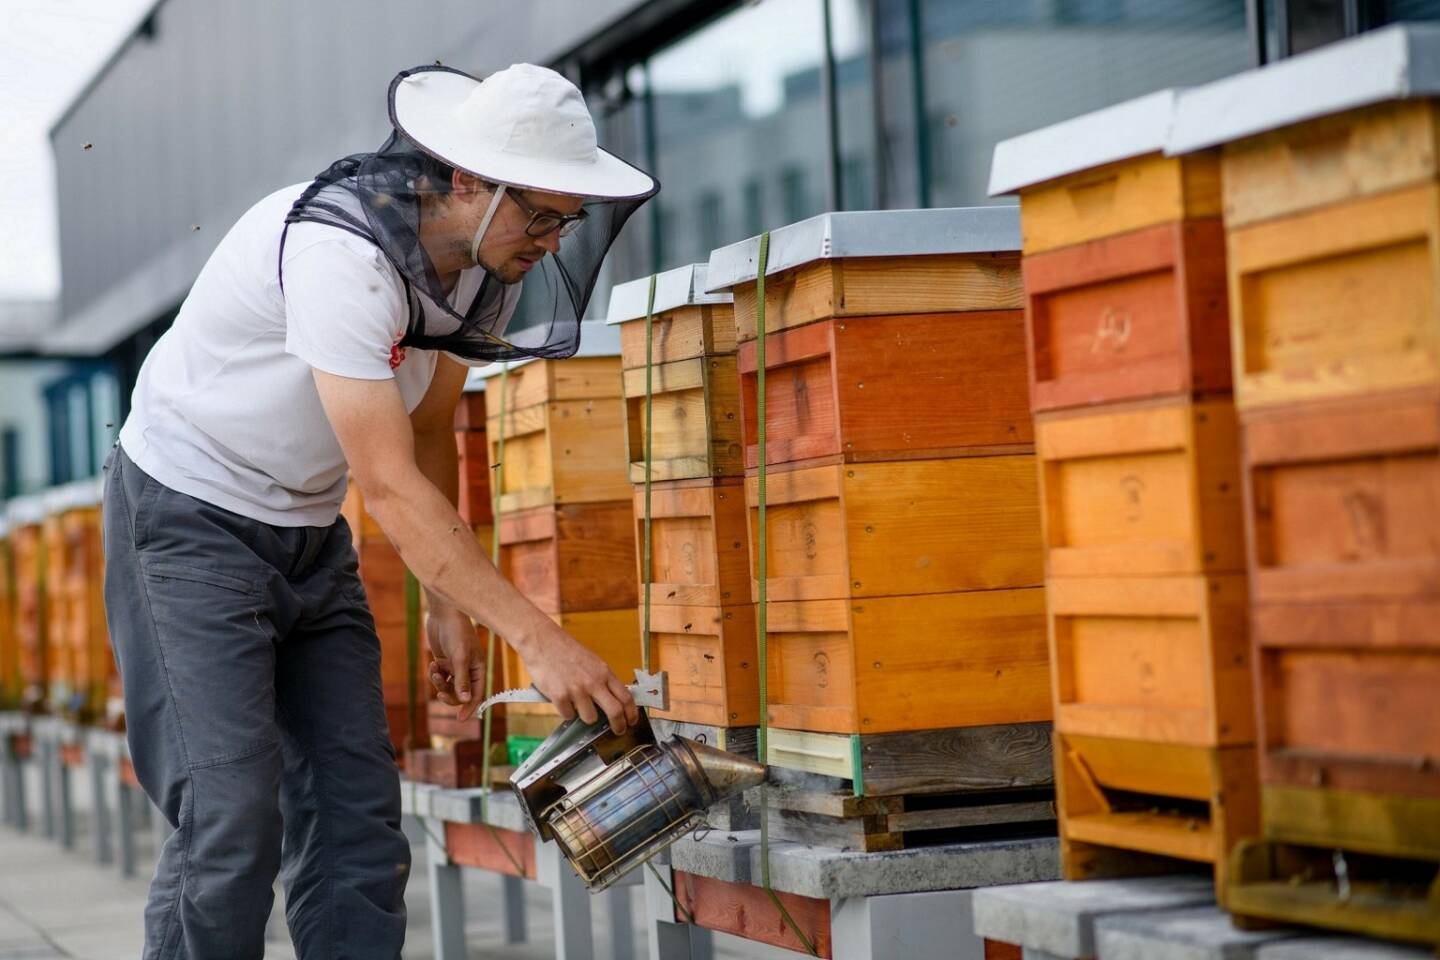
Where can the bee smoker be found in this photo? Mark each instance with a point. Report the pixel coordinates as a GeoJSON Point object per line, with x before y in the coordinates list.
{"type": "Point", "coordinates": [611, 802]}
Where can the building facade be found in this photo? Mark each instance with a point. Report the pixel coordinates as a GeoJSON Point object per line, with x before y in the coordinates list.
{"type": "Point", "coordinates": [751, 114]}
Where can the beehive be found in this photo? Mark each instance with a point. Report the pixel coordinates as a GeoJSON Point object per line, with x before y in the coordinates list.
{"type": "Point", "coordinates": [1332, 203]}
{"type": "Point", "coordinates": [702, 623]}
{"type": "Point", "coordinates": [1128, 339]}
{"type": "Point", "coordinates": [564, 427]}
{"type": "Point", "coordinates": [27, 543]}
{"type": "Point", "coordinates": [82, 663]}
{"type": "Point", "coordinates": [9, 641]}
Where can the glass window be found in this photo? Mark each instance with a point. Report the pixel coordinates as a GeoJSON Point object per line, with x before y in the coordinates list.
{"type": "Point", "coordinates": [739, 125]}
{"type": "Point", "coordinates": [997, 68]}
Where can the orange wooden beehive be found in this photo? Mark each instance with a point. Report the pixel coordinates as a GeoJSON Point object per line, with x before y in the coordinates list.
{"type": "Point", "coordinates": [9, 639]}
{"type": "Point", "coordinates": [28, 549]}
{"type": "Point", "coordinates": [709, 653]}
{"type": "Point", "coordinates": [1332, 205]}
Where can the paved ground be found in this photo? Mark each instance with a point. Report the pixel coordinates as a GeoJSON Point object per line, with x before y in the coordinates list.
{"type": "Point", "coordinates": [61, 904]}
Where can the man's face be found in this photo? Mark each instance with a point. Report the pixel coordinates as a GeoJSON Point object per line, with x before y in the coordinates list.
{"type": "Point", "coordinates": [507, 252]}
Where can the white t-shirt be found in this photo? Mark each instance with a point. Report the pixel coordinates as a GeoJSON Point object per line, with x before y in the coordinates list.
{"type": "Point", "coordinates": [225, 408]}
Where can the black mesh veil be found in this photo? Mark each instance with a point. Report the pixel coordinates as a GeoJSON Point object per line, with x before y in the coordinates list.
{"type": "Point", "coordinates": [382, 197]}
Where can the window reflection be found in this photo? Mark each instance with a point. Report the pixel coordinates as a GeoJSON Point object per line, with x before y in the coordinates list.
{"type": "Point", "coordinates": [997, 68]}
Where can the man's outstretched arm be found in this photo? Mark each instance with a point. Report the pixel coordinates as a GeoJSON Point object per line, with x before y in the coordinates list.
{"type": "Point", "coordinates": [375, 433]}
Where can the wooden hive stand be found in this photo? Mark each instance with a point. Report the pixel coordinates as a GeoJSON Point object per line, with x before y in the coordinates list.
{"type": "Point", "coordinates": [1130, 373]}
{"type": "Point", "coordinates": [1332, 216]}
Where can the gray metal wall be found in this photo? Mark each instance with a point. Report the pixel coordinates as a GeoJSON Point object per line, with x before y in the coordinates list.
{"type": "Point", "coordinates": [231, 99]}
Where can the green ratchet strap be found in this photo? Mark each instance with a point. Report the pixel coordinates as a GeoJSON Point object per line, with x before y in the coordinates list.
{"type": "Point", "coordinates": [412, 657]}
{"type": "Point", "coordinates": [496, 483]}
{"type": "Point", "coordinates": [762, 572]}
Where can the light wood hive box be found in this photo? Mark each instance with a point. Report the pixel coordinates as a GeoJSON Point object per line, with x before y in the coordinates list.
{"type": "Point", "coordinates": [869, 286]}
{"type": "Point", "coordinates": [889, 387]}
{"type": "Point", "coordinates": [885, 664]}
{"type": "Point", "coordinates": [564, 433]}
{"type": "Point", "coordinates": [59, 654]}
{"type": "Point", "coordinates": [1334, 252]}
{"type": "Point", "coordinates": [9, 638]}
{"type": "Point", "coordinates": [1344, 502]}
{"type": "Point", "coordinates": [1146, 489]}
{"type": "Point", "coordinates": [682, 333]}
{"type": "Point", "coordinates": [695, 415]}
{"type": "Point", "coordinates": [699, 553]}
{"type": "Point", "coordinates": [897, 528]}
{"type": "Point", "coordinates": [572, 557]}
{"type": "Point", "coordinates": [81, 631]}
{"type": "Point", "coordinates": [27, 541]}
{"type": "Point", "coordinates": [710, 654]}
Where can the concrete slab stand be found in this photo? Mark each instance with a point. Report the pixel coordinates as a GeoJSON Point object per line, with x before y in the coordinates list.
{"type": "Point", "coordinates": [1058, 919]}
{"type": "Point", "coordinates": [907, 903]}
{"type": "Point", "coordinates": [435, 806]}
{"type": "Point", "coordinates": [1193, 933]}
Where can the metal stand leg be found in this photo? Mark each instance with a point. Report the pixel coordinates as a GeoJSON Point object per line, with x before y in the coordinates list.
{"type": "Point", "coordinates": [572, 904]}
{"type": "Point", "coordinates": [97, 764]}
{"type": "Point", "coordinates": [124, 806]}
{"type": "Point", "coordinates": [622, 923]}
{"type": "Point", "coordinates": [21, 810]}
{"type": "Point", "coordinates": [9, 777]}
{"type": "Point", "coordinates": [447, 900]}
{"type": "Point", "coordinates": [905, 925]}
{"type": "Point", "coordinates": [670, 940]}
{"type": "Point", "coordinates": [512, 892]}
{"type": "Point", "coordinates": [65, 808]}
{"type": "Point", "coordinates": [45, 760]}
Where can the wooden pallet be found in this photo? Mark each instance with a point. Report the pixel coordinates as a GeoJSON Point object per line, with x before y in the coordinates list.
{"type": "Point", "coordinates": [1358, 862]}
{"type": "Point", "coordinates": [837, 818]}
{"type": "Point", "coordinates": [1128, 807]}
{"type": "Point", "coordinates": [964, 759]}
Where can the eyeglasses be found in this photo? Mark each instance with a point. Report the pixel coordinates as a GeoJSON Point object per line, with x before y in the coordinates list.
{"type": "Point", "coordinates": [544, 222]}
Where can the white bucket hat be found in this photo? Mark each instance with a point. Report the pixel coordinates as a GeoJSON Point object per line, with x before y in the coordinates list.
{"type": "Point", "coordinates": [525, 126]}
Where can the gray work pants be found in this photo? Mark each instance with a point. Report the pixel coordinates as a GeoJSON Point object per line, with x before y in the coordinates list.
{"type": "Point", "coordinates": [255, 716]}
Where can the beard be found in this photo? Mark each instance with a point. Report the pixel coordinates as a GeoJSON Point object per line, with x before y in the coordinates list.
{"type": "Point", "coordinates": [508, 271]}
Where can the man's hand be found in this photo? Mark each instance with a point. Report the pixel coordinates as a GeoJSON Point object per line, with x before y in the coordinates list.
{"type": "Point", "coordinates": [577, 681]}
{"type": "Point", "coordinates": [457, 670]}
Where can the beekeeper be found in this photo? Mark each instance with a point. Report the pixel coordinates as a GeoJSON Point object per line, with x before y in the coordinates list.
{"type": "Point", "coordinates": [330, 332]}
